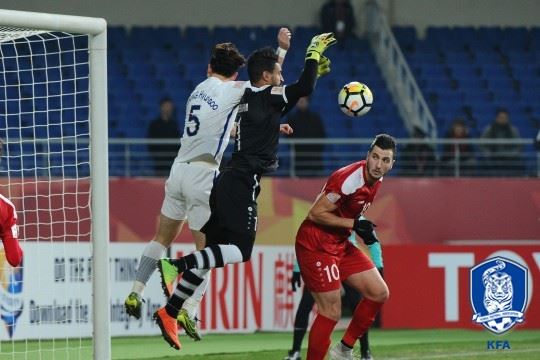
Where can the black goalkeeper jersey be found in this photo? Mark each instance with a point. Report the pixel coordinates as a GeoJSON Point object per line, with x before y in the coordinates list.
{"type": "Point", "coordinates": [257, 134]}
{"type": "Point", "coordinates": [259, 117]}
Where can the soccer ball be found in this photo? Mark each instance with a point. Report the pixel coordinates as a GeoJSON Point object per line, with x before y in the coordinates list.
{"type": "Point", "coordinates": [355, 99]}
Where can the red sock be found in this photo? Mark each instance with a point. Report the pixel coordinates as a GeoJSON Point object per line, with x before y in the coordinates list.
{"type": "Point", "coordinates": [319, 337]}
{"type": "Point", "coordinates": [363, 317]}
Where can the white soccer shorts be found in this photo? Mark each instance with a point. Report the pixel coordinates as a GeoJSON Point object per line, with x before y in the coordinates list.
{"type": "Point", "coordinates": [187, 192]}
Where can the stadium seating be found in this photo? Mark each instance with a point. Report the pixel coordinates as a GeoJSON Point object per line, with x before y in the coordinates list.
{"type": "Point", "coordinates": [462, 71]}
{"type": "Point", "coordinates": [148, 63]}
{"type": "Point", "coordinates": [480, 68]}
{"type": "Point", "coordinates": [469, 72]}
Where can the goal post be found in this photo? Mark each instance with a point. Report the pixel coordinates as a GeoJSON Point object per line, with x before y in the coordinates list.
{"type": "Point", "coordinates": [15, 23]}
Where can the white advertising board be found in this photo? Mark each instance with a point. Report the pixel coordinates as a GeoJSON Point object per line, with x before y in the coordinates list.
{"type": "Point", "coordinates": [51, 296]}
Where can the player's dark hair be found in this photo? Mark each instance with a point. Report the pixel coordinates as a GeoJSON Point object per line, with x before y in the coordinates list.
{"type": "Point", "coordinates": [226, 59]}
{"type": "Point", "coordinates": [385, 142]}
{"type": "Point", "coordinates": [501, 109]}
{"type": "Point", "coordinates": [259, 61]}
{"type": "Point", "coordinates": [165, 99]}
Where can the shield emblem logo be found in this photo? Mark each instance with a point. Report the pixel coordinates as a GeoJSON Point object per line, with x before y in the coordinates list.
{"type": "Point", "coordinates": [498, 292]}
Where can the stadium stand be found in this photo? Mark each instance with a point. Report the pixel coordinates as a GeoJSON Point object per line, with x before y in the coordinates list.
{"type": "Point", "coordinates": [162, 61]}
{"type": "Point", "coordinates": [462, 71]}
{"type": "Point", "coordinates": [470, 72]}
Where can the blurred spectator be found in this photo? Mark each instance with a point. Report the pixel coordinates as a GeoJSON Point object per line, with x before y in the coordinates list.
{"type": "Point", "coordinates": [418, 158]}
{"type": "Point", "coordinates": [455, 155]}
{"type": "Point", "coordinates": [307, 124]}
{"type": "Point", "coordinates": [502, 159]}
{"type": "Point", "coordinates": [337, 16]}
{"type": "Point", "coordinates": [164, 126]}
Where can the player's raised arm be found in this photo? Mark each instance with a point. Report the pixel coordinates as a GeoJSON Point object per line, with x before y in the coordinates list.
{"type": "Point", "coordinates": [306, 82]}
{"type": "Point", "coordinates": [284, 43]}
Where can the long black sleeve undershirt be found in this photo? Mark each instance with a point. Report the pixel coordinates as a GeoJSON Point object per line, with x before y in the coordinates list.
{"type": "Point", "coordinates": [303, 87]}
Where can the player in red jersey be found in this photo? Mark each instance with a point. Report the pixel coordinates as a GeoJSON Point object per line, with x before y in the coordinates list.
{"type": "Point", "coordinates": [8, 229]}
{"type": "Point", "coordinates": [327, 258]}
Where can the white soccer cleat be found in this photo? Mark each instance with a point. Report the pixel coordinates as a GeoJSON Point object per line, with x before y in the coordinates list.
{"type": "Point", "coordinates": [293, 355]}
{"type": "Point", "coordinates": [337, 352]}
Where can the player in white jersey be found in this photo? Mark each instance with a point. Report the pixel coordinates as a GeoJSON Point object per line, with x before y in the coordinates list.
{"type": "Point", "coordinates": [210, 113]}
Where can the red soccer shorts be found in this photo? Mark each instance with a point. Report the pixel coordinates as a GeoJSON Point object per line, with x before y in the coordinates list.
{"type": "Point", "coordinates": [324, 272]}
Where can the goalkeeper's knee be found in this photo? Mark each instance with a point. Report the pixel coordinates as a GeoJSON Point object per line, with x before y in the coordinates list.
{"type": "Point", "coordinates": [245, 244]}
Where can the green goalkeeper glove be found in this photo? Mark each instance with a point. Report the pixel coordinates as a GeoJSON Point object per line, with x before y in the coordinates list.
{"type": "Point", "coordinates": [324, 66]}
{"type": "Point", "coordinates": [318, 45]}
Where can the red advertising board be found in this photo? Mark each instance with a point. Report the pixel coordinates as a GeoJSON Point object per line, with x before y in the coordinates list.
{"type": "Point", "coordinates": [430, 287]}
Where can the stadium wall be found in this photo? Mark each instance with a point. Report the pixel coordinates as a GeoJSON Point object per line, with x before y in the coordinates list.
{"type": "Point", "coordinates": [408, 211]}
{"type": "Point", "coordinates": [420, 13]}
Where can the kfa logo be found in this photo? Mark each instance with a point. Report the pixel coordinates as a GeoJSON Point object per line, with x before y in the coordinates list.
{"type": "Point", "coordinates": [498, 293]}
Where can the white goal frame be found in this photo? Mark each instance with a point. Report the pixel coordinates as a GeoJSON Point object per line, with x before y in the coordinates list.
{"type": "Point", "coordinates": [96, 28]}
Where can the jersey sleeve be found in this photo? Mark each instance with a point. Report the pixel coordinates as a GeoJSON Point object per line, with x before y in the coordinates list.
{"type": "Point", "coordinates": [10, 233]}
{"type": "Point", "coordinates": [277, 96]}
{"type": "Point", "coordinates": [333, 189]}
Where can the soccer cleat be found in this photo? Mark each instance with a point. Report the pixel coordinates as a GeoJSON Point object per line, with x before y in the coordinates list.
{"type": "Point", "coordinates": [338, 353]}
{"type": "Point", "coordinates": [293, 355]}
{"type": "Point", "coordinates": [189, 325]}
{"type": "Point", "coordinates": [168, 274]}
{"type": "Point", "coordinates": [133, 305]}
{"type": "Point", "coordinates": [168, 327]}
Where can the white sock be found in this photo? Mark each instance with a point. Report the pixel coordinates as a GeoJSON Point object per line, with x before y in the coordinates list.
{"type": "Point", "coordinates": [148, 264]}
{"type": "Point", "coordinates": [191, 304]}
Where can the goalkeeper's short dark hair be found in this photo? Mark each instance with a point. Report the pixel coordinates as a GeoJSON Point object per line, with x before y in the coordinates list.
{"type": "Point", "coordinates": [259, 61]}
{"type": "Point", "coordinates": [226, 59]}
{"type": "Point", "coordinates": [385, 142]}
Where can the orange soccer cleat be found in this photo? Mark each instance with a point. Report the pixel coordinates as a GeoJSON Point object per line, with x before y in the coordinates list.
{"type": "Point", "coordinates": [168, 327]}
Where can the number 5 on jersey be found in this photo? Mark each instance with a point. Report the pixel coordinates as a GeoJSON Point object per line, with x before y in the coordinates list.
{"type": "Point", "coordinates": [193, 123]}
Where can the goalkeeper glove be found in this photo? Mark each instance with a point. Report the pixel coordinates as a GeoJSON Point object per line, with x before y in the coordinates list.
{"type": "Point", "coordinates": [318, 45]}
{"type": "Point", "coordinates": [324, 66]}
{"type": "Point", "coordinates": [296, 280]}
{"type": "Point", "coordinates": [364, 229]}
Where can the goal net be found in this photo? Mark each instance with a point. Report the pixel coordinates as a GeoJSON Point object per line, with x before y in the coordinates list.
{"type": "Point", "coordinates": [53, 126]}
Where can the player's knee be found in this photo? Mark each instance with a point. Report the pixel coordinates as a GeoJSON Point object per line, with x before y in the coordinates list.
{"type": "Point", "coordinates": [246, 246]}
{"type": "Point", "coordinates": [381, 294]}
{"type": "Point", "coordinates": [331, 310]}
{"type": "Point", "coordinates": [384, 294]}
{"type": "Point", "coordinates": [246, 252]}
{"type": "Point", "coordinates": [333, 313]}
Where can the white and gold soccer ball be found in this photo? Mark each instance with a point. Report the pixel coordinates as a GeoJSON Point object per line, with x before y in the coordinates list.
{"type": "Point", "coordinates": [355, 99]}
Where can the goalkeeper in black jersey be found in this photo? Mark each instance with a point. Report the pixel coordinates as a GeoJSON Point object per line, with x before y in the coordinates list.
{"type": "Point", "coordinates": [230, 231]}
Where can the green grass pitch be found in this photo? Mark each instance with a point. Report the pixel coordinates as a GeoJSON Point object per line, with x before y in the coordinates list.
{"type": "Point", "coordinates": [385, 344]}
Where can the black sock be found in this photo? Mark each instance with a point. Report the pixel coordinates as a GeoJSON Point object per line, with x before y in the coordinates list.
{"type": "Point", "coordinates": [181, 264]}
{"type": "Point", "coordinates": [364, 343]}
{"type": "Point", "coordinates": [298, 336]}
{"type": "Point", "coordinates": [184, 289]}
{"type": "Point", "coordinates": [214, 256]}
